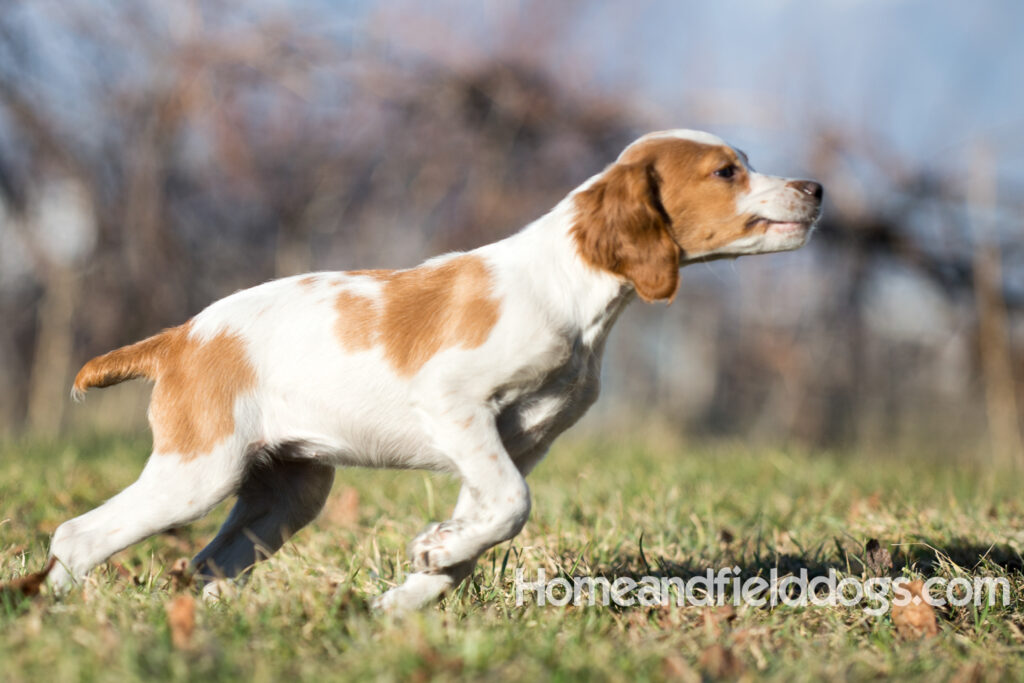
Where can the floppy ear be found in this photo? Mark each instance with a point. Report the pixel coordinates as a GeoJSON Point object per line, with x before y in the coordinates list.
{"type": "Point", "coordinates": [622, 227]}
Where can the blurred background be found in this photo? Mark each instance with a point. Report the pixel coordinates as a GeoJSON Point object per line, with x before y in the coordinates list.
{"type": "Point", "coordinates": [156, 156]}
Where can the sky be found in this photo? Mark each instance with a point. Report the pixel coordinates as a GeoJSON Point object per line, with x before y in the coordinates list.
{"type": "Point", "coordinates": [926, 76]}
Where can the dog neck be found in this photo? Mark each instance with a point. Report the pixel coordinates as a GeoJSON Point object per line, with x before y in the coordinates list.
{"type": "Point", "coordinates": [582, 300]}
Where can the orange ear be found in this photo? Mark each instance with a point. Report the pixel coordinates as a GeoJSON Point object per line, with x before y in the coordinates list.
{"type": "Point", "coordinates": [623, 228]}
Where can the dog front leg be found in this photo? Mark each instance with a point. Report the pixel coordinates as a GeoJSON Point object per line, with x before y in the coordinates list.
{"type": "Point", "coordinates": [493, 507]}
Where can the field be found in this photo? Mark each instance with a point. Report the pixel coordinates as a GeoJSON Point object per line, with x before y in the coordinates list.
{"type": "Point", "coordinates": [614, 508]}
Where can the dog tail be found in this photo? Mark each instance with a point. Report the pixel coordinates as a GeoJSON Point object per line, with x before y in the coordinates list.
{"type": "Point", "coordinates": [142, 359]}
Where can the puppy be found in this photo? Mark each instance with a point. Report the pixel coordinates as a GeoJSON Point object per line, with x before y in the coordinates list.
{"type": "Point", "coordinates": [471, 363]}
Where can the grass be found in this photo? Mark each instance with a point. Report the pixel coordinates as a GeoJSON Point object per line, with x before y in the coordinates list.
{"type": "Point", "coordinates": [610, 509]}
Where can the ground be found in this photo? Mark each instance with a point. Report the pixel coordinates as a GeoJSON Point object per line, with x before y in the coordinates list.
{"type": "Point", "coordinates": [610, 507]}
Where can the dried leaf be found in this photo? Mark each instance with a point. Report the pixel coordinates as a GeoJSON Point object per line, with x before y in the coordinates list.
{"type": "Point", "coordinates": [714, 617]}
{"type": "Point", "coordinates": [180, 573]}
{"type": "Point", "coordinates": [877, 558]}
{"type": "Point", "coordinates": [720, 662]}
{"type": "Point", "coordinates": [862, 505]}
{"type": "Point", "coordinates": [916, 619]}
{"type": "Point", "coordinates": [124, 572]}
{"type": "Point", "coordinates": [675, 668]}
{"type": "Point", "coordinates": [726, 536]}
{"type": "Point", "coordinates": [970, 673]}
{"type": "Point", "coordinates": [344, 511]}
{"type": "Point", "coordinates": [28, 585]}
{"type": "Point", "coordinates": [436, 665]}
{"type": "Point", "coordinates": [181, 617]}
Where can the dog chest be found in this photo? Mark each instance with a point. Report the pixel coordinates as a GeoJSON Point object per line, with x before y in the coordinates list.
{"type": "Point", "coordinates": [537, 415]}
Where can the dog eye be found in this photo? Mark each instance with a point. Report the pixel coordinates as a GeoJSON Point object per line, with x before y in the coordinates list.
{"type": "Point", "coordinates": [726, 172]}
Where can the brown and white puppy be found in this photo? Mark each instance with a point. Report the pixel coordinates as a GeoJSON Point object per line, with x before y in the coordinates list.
{"type": "Point", "coordinates": [470, 363]}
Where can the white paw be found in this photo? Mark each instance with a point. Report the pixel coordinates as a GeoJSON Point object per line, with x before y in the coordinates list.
{"type": "Point", "coordinates": [418, 591]}
{"type": "Point", "coordinates": [390, 602]}
{"type": "Point", "coordinates": [217, 590]}
{"type": "Point", "coordinates": [431, 551]}
{"type": "Point", "coordinates": [60, 580]}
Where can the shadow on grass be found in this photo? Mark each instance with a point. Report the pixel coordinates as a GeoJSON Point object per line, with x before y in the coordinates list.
{"type": "Point", "coordinates": [926, 557]}
{"type": "Point", "coordinates": [929, 555]}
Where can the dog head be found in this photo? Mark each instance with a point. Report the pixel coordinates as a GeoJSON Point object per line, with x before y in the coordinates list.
{"type": "Point", "coordinates": [677, 197]}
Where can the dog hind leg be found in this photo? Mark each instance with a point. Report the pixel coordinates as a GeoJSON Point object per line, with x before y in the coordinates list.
{"type": "Point", "coordinates": [277, 497]}
{"type": "Point", "coordinates": [170, 491]}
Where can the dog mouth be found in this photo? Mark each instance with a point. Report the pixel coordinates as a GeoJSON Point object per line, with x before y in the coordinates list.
{"type": "Point", "coordinates": [788, 227]}
{"type": "Point", "coordinates": [780, 227]}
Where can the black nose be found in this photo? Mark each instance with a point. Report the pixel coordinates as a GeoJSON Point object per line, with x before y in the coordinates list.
{"type": "Point", "coordinates": [808, 187]}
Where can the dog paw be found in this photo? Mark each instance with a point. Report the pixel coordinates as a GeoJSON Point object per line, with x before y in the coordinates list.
{"type": "Point", "coordinates": [419, 590]}
{"type": "Point", "coordinates": [219, 590]}
{"type": "Point", "coordinates": [60, 580]}
{"type": "Point", "coordinates": [391, 602]}
{"type": "Point", "coordinates": [431, 551]}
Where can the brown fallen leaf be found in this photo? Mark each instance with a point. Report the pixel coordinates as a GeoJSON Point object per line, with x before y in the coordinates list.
{"type": "Point", "coordinates": [971, 673]}
{"type": "Point", "coordinates": [877, 558]}
{"type": "Point", "coordinates": [716, 617]}
{"type": "Point", "coordinates": [435, 665]}
{"type": "Point", "coordinates": [675, 668]}
{"type": "Point", "coordinates": [916, 619]}
{"type": "Point", "coordinates": [28, 585]}
{"type": "Point", "coordinates": [180, 573]}
{"type": "Point", "coordinates": [181, 617]}
{"type": "Point", "coordinates": [344, 511]}
{"type": "Point", "coordinates": [860, 506]}
{"type": "Point", "coordinates": [123, 571]}
{"type": "Point", "coordinates": [720, 662]}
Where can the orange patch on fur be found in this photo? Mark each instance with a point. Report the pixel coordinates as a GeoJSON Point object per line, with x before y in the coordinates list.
{"type": "Point", "coordinates": [356, 325]}
{"type": "Point", "coordinates": [308, 281]}
{"type": "Point", "coordinates": [197, 384]}
{"type": "Point", "coordinates": [621, 228]}
{"type": "Point", "coordinates": [422, 311]}
{"type": "Point", "coordinates": [129, 362]}
{"type": "Point", "coordinates": [193, 405]}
